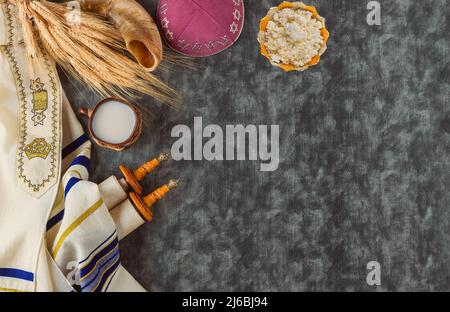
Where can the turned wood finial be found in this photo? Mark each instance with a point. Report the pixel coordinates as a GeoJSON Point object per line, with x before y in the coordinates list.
{"type": "Point", "coordinates": [159, 193]}
{"type": "Point", "coordinates": [143, 204]}
{"type": "Point", "coordinates": [132, 178]}
{"type": "Point", "coordinates": [148, 167]}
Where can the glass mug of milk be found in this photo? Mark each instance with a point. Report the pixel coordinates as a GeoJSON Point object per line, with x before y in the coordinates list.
{"type": "Point", "coordinates": [114, 124]}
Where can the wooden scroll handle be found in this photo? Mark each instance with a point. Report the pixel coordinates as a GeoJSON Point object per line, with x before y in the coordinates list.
{"type": "Point", "coordinates": [159, 193]}
{"type": "Point", "coordinates": [143, 204]}
{"type": "Point", "coordinates": [148, 167]}
{"type": "Point", "coordinates": [132, 178]}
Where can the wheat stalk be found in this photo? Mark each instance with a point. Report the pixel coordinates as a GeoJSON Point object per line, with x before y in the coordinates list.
{"type": "Point", "coordinates": [92, 52]}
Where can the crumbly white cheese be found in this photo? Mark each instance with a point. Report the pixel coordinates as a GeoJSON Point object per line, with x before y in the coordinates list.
{"type": "Point", "coordinates": [293, 37]}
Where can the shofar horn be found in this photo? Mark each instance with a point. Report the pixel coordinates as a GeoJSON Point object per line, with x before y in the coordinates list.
{"type": "Point", "coordinates": [139, 31]}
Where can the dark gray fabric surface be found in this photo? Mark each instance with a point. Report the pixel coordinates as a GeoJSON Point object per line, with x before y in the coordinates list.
{"type": "Point", "coordinates": [364, 169]}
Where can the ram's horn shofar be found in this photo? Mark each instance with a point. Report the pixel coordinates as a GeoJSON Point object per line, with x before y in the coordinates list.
{"type": "Point", "coordinates": [138, 29]}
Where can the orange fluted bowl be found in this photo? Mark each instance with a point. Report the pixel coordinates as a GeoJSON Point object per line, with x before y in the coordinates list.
{"type": "Point", "coordinates": [294, 5]}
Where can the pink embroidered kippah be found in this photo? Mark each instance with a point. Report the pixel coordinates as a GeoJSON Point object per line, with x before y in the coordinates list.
{"type": "Point", "coordinates": [200, 27]}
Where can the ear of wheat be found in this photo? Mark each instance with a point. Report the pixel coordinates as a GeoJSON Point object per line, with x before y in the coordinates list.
{"type": "Point", "coordinates": [91, 51]}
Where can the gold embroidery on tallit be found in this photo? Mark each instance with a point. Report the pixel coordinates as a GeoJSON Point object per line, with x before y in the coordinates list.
{"type": "Point", "coordinates": [38, 148]}
{"type": "Point", "coordinates": [8, 50]}
{"type": "Point", "coordinates": [40, 101]}
{"type": "Point", "coordinates": [2, 289]}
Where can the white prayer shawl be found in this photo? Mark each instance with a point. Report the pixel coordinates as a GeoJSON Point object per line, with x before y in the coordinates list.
{"type": "Point", "coordinates": [57, 229]}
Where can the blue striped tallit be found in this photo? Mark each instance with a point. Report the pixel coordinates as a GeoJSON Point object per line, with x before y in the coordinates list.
{"type": "Point", "coordinates": [100, 265]}
{"type": "Point", "coordinates": [17, 274]}
{"type": "Point", "coordinates": [79, 163]}
{"type": "Point", "coordinates": [83, 219]}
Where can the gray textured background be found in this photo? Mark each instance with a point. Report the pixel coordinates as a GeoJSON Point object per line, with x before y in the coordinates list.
{"type": "Point", "coordinates": [364, 172]}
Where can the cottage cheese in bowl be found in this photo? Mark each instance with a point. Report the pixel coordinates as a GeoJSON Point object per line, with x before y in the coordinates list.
{"type": "Point", "coordinates": [293, 36]}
